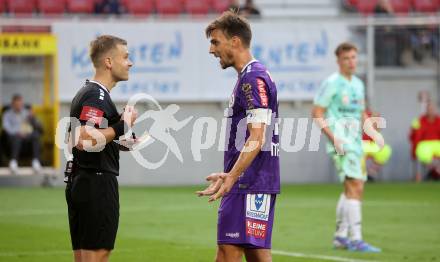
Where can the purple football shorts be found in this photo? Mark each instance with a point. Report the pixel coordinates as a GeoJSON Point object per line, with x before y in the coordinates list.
{"type": "Point", "coordinates": [246, 220]}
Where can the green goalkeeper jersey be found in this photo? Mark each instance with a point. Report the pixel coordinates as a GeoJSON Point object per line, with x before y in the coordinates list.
{"type": "Point", "coordinates": [344, 101]}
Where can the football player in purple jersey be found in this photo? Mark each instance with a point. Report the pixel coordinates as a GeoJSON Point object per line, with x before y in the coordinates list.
{"type": "Point", "coordinates": [250, 181]}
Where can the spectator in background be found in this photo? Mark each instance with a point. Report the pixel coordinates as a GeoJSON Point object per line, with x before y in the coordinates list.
{"type": "Point", "coordinates": [424, 44]}
{"type": "Point", "coordinates": [107, 7]}
{"type": "Point", "coordinates": [384, 7]}
{"type": "Point", "coordinates": [390, 41]}
{"type": "Point", "coordinates": [249, 10]}
{"type": "Point", "coordinates": [21, 126]}
{"type": "Point", "coordinates": [425, 141]}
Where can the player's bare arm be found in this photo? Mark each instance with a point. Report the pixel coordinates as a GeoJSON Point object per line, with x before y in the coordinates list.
{"type": "Point", "coordinates": [318, 114]}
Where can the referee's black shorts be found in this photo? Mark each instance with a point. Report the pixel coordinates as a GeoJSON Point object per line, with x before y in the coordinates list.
{"type": "Point", "coordinates": [93, 208]}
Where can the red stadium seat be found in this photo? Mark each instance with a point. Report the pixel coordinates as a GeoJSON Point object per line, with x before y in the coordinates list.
{"type": "Point", "coordinates": [401, 6]}
{"type": "Point", "coordinates": [51, 6]}
{"type": "Point", "coordinates": [366, 7]}
{"type": "Point", "coordinates": [169, 7]}
{"type": "Point", "coordinates": [2, 6]}
{"type": "Point", "coordinates": [138, 7]}
{"type": "Point", "coordinates": [220, 6]}
{"type": "Point", "coordinates": [80, 6]}
{"type": "Point", "coordinates": [197, 7]}
{"type": "Point", "coordinates": [21, 6]}
{"type": "Point", "coordinates": [352, 3]}
{"type": "Point", "coordinates": [427, 6]}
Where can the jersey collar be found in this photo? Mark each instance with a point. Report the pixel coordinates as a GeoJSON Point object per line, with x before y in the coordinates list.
{"type": "Point", "coordinates": [100, 85]}
{"type": "Point", "coordinates": [246, 66]}
{"type": "Point", "coordinates": [345, 79]}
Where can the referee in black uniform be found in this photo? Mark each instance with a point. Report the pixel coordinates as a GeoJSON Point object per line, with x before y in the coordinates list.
{"type": "Point", "coordinates": [92, 188]}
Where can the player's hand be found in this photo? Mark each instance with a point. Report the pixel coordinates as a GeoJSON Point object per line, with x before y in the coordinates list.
{"type": "Point", "coordinates": [339, 145]}
{"type": "Point", "coordinates": [127, 144]}
{"type": "Point", "coordinates": [228, 183]}
{"type": "Point", "coordinates": [129, 115]}
{"type": "Point", "coordinates": [215, 180]}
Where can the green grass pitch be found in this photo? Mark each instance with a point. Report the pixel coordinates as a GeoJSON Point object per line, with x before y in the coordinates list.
{"type": "Point", "coordinates": [172, 224]}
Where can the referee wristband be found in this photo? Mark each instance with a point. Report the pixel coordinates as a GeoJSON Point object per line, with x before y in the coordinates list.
{"type": "Point", "coordinates": [119, 128]}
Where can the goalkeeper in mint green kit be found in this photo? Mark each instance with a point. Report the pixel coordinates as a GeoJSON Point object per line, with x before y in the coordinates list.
{"type": "Point", "coordinates": [339, 110]}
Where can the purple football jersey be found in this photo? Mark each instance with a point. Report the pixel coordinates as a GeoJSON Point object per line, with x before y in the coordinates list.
{"type": "Point", "coordinates": [254, 100]}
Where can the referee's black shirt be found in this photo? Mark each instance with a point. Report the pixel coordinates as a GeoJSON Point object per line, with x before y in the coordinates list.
{"type": "Point", "coordinates": [93, 103]}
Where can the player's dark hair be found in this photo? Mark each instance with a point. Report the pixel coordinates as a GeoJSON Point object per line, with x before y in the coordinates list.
{"type": "Point", "coordinates": [344, 47]}
{"type": "Point", "coordinates": [231, 24]}
{"type": "Point", "coordinates": [101, 45]}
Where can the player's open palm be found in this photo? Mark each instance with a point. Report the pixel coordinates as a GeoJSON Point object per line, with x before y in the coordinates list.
{"type": "Point", "coordinates": [215, 181]}
{"type": "Point", "coordinates": [228, 183]}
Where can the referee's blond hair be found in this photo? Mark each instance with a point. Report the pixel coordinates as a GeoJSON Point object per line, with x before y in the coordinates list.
{"type": "Point", "coordinates": [101, 45]}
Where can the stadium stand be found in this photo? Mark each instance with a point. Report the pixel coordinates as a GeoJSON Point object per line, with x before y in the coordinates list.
{"type": "Point", "coordinates": [169, 7]}
{"type": "Point", "coordinates": [138, 7]}
{"type": "Point", "coordinates": [2, 6]}
{"type": "Point", "coordinates": [21, 6]}
{"type": "Point", "coordinates": [80, 6]}
{"type": "Point", "coordinates": [401, 7]}
{"type": "Point", "coordinates": [221, 5]}
{"type": "Point", "coordinates": [197, 7]}
{"type": "Point", "coordinates": [427, 6]}
{"type": "Point", "coordinates": [51, 6]}
{"type": "Point", "coordinates": [297, 7]}
{"type": "Point", "coordinates": [269, 8]}
{"type": "Point", "coordinates": [366, 7]}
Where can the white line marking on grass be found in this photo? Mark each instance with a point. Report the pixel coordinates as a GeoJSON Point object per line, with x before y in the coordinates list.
{"type": "Point", "coordinates": [322, 257]}
{"type": "Point", "coordinates": [276, 252]}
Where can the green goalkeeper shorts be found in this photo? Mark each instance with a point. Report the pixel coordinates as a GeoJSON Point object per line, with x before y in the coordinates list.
{"type": "Point", "coordinates": [349, 165]}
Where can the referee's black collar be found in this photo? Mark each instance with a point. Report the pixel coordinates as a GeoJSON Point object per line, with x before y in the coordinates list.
{"type": "Point", "coordinates": [99, 84]}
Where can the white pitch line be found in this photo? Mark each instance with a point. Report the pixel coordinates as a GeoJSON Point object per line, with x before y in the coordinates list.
{"type": "Point", "coordinates": [322, 257]}
{"type": "Point", "coordinates": [276, 252]}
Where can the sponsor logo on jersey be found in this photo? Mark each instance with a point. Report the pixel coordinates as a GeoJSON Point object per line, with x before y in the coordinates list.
{"type": "Point", "coordinates": [247, 90]}
{"type": "Point", "coordinates": [258, 206]}
{"type": "Point", "coordinates": [262, 92]}
{"type": "Point", "coordinates": [256, 228]}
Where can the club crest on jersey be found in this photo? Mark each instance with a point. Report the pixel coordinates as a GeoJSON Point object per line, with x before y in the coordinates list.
{"type": "Point", "coordinates": [259, 201]}
{"type": "Point", "coordinates": [258, 206]}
